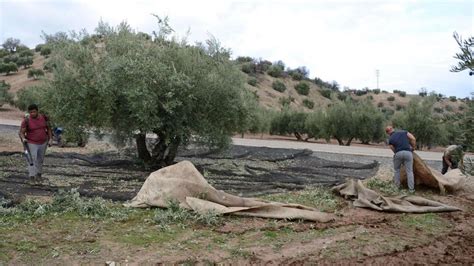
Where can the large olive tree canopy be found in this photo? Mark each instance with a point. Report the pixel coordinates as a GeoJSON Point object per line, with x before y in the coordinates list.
{"type": "Point", "coordinates": [130, 85]}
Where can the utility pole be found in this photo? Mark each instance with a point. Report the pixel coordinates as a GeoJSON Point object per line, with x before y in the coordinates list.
{"type": "Point", "coordinates": [377, 74]}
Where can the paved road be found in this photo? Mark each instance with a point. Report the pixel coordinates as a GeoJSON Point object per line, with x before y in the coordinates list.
{"type": "Point", "coordinates": [352, 150]}
{"type": "Point", "coordinates": [9, 122]}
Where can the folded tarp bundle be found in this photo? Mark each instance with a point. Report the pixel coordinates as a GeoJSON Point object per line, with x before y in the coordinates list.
{"type": "Point", "coordinates": [367, 198]}
{"type": "Point", "coordinates": [424, 175]}
{"type": "Point", "coordinates": [183, 183]}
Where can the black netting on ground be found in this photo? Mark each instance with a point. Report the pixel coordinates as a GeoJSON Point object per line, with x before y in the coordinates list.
{"type": "Point", "coordinates": [247, 171]}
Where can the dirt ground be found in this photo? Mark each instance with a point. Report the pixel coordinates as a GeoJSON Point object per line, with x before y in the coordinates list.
{"type": "Point", "coordinates": [358, 236]}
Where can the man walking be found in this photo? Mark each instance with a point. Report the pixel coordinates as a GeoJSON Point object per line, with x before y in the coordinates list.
{"type": "Point", "coordinates": [402, 144]}
{"type": "Point", "coordinates": [36, 132]}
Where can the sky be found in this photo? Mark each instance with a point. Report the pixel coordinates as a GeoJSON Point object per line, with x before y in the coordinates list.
{"type": "Point", "coordinates": [410, 42]}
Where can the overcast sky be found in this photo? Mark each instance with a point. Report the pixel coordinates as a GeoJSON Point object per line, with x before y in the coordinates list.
{"type": "Point", "coordinates": [409, 41]}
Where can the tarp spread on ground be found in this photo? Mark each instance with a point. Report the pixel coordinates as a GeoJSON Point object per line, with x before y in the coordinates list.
{"type": "Point", "coordinates": [182, 182]}
{"type": "Point", "coordinates": [424, 175]}
{"type": "Point", "coordinates": [367, 198]}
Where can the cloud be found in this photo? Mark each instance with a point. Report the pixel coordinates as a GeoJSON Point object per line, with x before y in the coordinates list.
{"type": "Point", "coordinates": [410, 42]}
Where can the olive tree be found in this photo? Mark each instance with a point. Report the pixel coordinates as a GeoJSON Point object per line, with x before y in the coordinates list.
{"type": "Point", "coordinates": [8, 67]}
{"type": "Point", "coordinates": [5, 95]}
{"type": "Point", "coordinates": [11, 44]}
{"type": "Point", "coordinates": [466, 56]}
{"type": "Point", "coordinates": [467, 125]}
{"type": "Point", "coordinates": [132, 86]}
{"type": "Point", "coordinates": [289, 122]}
{"type": "Point", "coordinates": [340, 123]}
{"type": "Point", "coordinates": [369, 122]}
{"type": "Point", "coordinates": [418, 119]}
{"type": "Point", "coordinates": [314, 125]}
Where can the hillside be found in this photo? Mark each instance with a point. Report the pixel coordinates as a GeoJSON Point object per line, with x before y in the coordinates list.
{"type": "Point", "coordinates": [267, 96]}
{"type": "Point", "coordinates": [271, 98]}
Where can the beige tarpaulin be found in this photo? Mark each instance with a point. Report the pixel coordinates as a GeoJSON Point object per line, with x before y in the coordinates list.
{"type": "Point", "coordinates": [182, 182]}
{"type": "Point", "coordinates": [424, 175]}
{"type": "Point", "coordinates": [367, 198]}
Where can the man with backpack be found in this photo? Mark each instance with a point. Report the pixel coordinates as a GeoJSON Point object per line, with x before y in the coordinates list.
{"type": "Point", "coordinates": [36, 133]}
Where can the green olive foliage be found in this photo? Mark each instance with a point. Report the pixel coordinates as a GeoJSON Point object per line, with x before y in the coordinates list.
{"type": "Point", "coordinates": [131, 86]}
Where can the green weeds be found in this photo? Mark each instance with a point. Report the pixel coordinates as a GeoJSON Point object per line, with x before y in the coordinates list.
{"type": "Point", "coordinates": [386, 187]}
{"type": "Point", "coordinates": [318, 197]}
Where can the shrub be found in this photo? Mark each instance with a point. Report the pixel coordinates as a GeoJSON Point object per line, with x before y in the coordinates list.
{"type": "Point", "coordinates": [326, 93]}
{"type": "Point", "coordinates": [45, 51]}
{"type": "Point", "coordinates": [308, 103]}
{"type": "Point", "coordinates": [360, 92]}
{"type": "Point", "coordinates": [3, 53]}
{"type": "Point", "coordinates": [21, 48]}
{"type": "Point", "coordinates": [26, 53]}
{"type": "Point", "coordinates": [302, 88]}
{"type": "Point", "coordinates": [263, 66]}
{"type": "Point", "coordinates": [11, 58]}
{"type": "Point", "coordinates": [387, 111]}
{"type": "Point", "coordinates": [453, 98]}
{"type": "Point", "coordinates": [38, 47]}
{"type": "Point", "coordinates": [48, 66]}
{"type": "Point", "coordinates": [399, 107]}
{"type": "Point", "coordinates": [278, 86]}
{"type": "Point", "coordinates": [370, 97]}
{"type": "Point", "coordinates": [390, 98]}
{"type": "Point", "coordinates": [384, 91]}
{"type": "Point", "coordinates": [275, 71]}
{"type": "Point", "coordinates": [35, 73]}
{"type": "Point", "coordinates": [244, 59]}
{"type": "Point", "coordinates": [252, 81]}
{"type": "Point", "coordinates": [401, 93]}
{"type": "Point", "coordinates": [249, 68]}
{"type": "Point", "coordinates": [438, 110]}
{"type": "Point", "coordinates": [295, 75]}
{"type": "Point", "coordinates": [423, 92]}
{"type": "Point", "coordinates": [25, 62]}
{"type": "Point", "coordinates": [9, 67]}
{"type": "Point", "coordinates": [449, 108]}
{"type": "Point", "coordinates": [380, 104]}
{"type": "Point", "coordinates": [27, 96]}
{"type": "Point", "coordinates": [461, 107]}
{"type": "Point", "coordinates": [342, 96]}
{"type": "Point", "coordinates": [376, 91]}
{"type": "Point", "coordinates": [286, 101]}
{"type": "Point", "coordinates": [299, 73]}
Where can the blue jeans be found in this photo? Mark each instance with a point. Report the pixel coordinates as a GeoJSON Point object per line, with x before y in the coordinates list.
{"type": "Point", "coordinates": [405, 158]}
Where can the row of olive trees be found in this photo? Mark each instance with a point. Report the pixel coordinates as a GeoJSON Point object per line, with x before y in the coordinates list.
{"type": "Point", "coordinates": [348, 120]}
{"type": "Point", "coordinates": [14, 55]}
{"type": "Point", "coordinates": [343, 121]}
